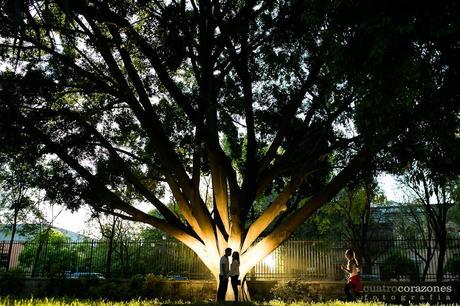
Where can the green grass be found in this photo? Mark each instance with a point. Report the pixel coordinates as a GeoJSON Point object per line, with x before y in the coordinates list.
{"type": "Point", "coordinates": [76, 302]}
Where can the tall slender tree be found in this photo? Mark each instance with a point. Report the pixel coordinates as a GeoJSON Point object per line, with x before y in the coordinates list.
{"type": "Point", "coordinates": [18, 198]}
{"type": "Point", "coordinates": [148, 96]}
{"type": "Point", "coordinates": [433, 198]}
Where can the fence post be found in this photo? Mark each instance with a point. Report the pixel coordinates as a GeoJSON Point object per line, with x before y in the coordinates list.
{"type": "Point", "coordinates": [91, 257]}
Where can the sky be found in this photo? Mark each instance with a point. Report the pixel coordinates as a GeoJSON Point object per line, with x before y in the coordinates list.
{"type": "Point", "coordinates": [73, 221]}
{"type": "Point", "coordinates": [78, 221]}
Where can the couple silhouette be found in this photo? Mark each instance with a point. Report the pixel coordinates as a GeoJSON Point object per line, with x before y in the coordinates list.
{"type": "Point", "coordinates": [228, 270]}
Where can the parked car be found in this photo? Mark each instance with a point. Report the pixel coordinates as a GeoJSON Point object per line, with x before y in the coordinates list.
{"type": "Point", "coordinates": [177, 277]}
{"type": "Point", "coordinates": [86, 275]}
{"type": "Point", "coordinates": [370, 277]}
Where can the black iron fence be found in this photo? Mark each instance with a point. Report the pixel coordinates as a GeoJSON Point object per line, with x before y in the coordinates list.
{"type": "Point", "coordinates": [309, 260]}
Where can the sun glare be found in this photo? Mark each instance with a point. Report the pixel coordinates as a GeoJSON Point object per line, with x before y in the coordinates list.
{"type": "Point", "coordinates": [269, 261]}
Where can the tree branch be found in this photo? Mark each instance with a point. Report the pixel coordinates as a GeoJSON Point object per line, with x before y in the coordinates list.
{"type": "Point", "coordinates": [175, 230]}
{"type": "Point", "coordinates": [290, 111]}
{"type": "Point", "coordinates": [285, 229]}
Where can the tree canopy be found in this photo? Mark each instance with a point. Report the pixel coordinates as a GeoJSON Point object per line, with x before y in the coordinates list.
{"type": "Point", "coordinates": [121, 102]}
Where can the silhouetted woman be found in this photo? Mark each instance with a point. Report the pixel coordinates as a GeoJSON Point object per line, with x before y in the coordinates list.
{"type": "Point", "coordinates": [354, 280]}
{"type": "Point", "coordinates": [235, 273]}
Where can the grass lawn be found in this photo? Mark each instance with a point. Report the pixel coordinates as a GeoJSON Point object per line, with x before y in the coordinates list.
{"type": "Point", "coordinates": [75, 302]}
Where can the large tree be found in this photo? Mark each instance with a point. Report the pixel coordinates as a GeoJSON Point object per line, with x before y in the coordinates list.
{"type": "Point", "coordinates": [121, 101]}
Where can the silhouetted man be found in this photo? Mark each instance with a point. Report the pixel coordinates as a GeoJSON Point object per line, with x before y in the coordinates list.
{"type": "Point", "coordinates": [223, 275]}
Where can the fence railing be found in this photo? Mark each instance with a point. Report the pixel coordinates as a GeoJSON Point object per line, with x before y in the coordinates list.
{"type": "Point", "coordinates": [379, 260]}
{"type": "Point", "coordinates": [309, 260]}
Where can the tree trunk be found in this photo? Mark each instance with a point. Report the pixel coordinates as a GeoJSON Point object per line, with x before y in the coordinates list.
{"type": "Point", "coordinates": [13, 233]}
{"type": "Point", "coordinates": [108, 264]}
{"type": "Point", "coordinates": [425, 269]}
{"type": "Point", "coordinates": [441, 257]}
{"type": "Point", "coordinates": [37, 257]}
{"type": "Point", "coordinates": [243, 292]}
{"type": "Point", "coordinates": [39, 250]}
{"type": "Point", "coordinates": [429, 256]}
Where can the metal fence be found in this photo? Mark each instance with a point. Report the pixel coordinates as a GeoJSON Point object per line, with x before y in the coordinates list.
{"type": "Point", "coordinates": [308, 260]}
{"type": "Point", "coordinates": [379, 260]}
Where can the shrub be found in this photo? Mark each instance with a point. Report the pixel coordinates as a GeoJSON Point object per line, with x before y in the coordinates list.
{"type": "Point", "coordinates": [68, 287]}
{"type": "Point", "coordinates": [152, 285]}
{"type": "Point", "coordinates": [137, 282]}
{"type": "Point", "coordinates": [453, 265]}
{"type": "Point", "coordinates": [12, 282]}
{"type": "Point", "coordinates": [109, 290]}
{"type": "Point", "coordinates": [292, 291]}
{"type": "Point", "coordinates": [398, 266]}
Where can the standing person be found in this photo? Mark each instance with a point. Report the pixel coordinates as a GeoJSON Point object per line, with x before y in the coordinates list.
{"type": "Point", "coordinates": [235, 273]}
{"type": "Point", "coordinates": [223, 275]}
{"type": "Point", "coordinates": [354, 280]}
